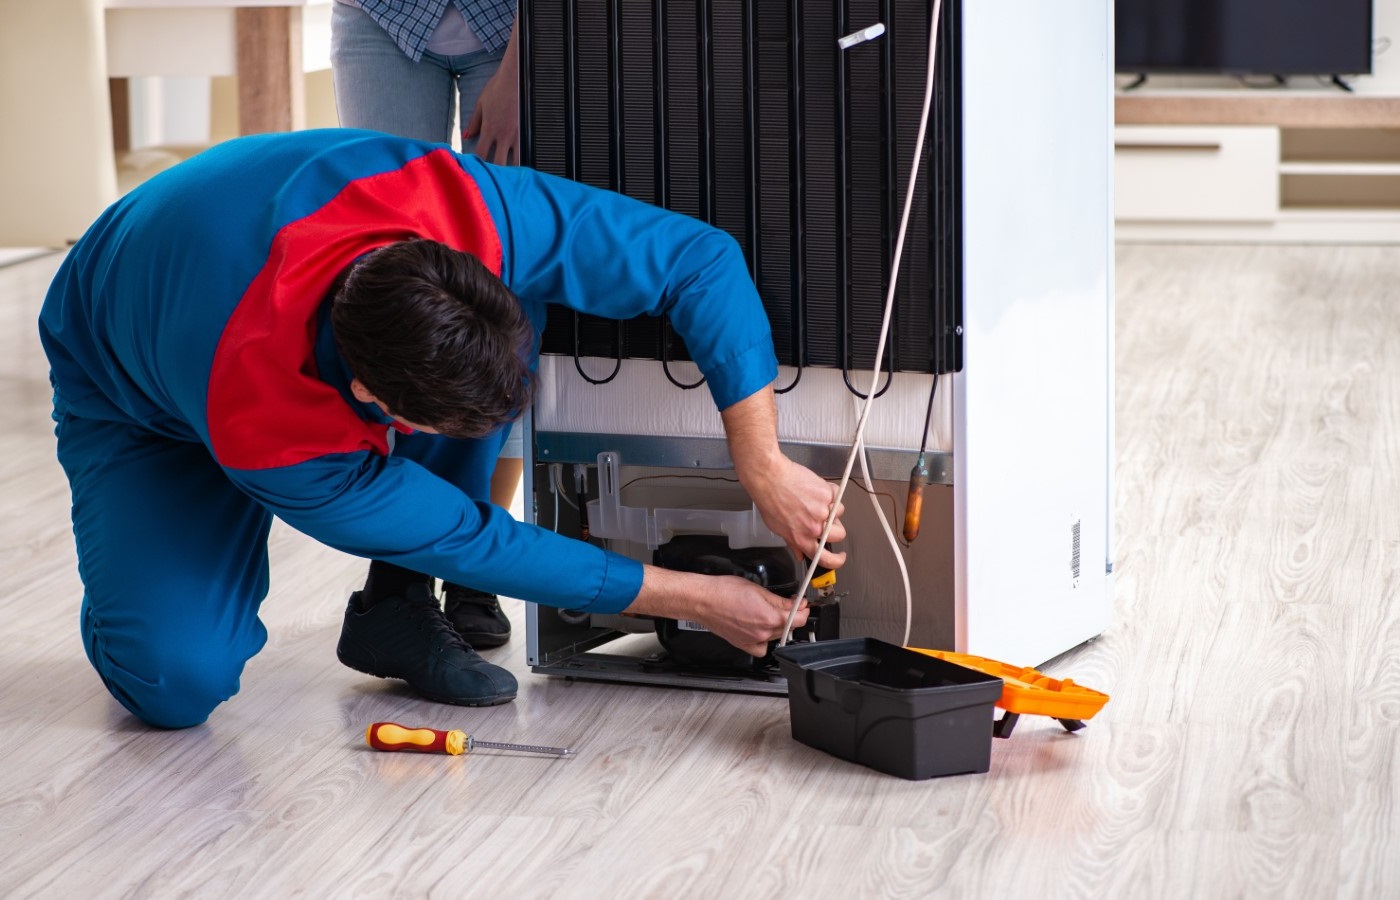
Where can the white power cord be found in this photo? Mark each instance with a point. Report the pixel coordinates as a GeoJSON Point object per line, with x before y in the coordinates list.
{"type": "Point", "coordinates": [894, 545]}
{"type": "Point", "coordinates": [557, 483]}
{"type": "Point", "coordinates": [857, 444]}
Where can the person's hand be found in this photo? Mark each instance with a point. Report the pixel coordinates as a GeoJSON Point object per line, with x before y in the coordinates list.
{"type": "Point", "coordinates": [792, 499]}
{"type": "Point", "coordinates": [495, 123]}
{"type": "Point", "coordinates": [794, 503]}
{"type": "Point", "coordinates": [734, 608]}
{"type": "Point", "coordinates": [746, 615]}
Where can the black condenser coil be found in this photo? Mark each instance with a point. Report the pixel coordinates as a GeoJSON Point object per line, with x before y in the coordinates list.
{"type": "Point", "coordinates": [747, 115]}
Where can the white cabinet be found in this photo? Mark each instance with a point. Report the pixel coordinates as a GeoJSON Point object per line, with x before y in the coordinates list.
{"type": "Point", "coordinates": [1167, 173]}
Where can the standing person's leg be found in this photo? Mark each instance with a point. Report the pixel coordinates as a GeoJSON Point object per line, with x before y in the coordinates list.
{"type": "Point", "coordinates": [378, 87]}
{"type": "Point", "coordinates": [173, 560]}
{"type": "Point", "coordinates": [510, 467]}
{"type": "Point", "coordinates": [474, 70]}
{"type": "Point", "coordinates": [476, 615]}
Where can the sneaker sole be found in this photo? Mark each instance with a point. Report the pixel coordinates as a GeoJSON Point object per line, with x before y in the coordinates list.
{"type": "Point", "coordinates": [455, 702]}
{"type": "Point", "coordinates": [451, 701]}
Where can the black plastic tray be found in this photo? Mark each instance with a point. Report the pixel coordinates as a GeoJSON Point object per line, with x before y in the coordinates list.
{"type": "Point", "coordinates": [889, 708]}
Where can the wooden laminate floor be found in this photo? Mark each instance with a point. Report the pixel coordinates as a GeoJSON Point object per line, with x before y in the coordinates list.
{"type": "Point", "coordinates": [1252, 747]}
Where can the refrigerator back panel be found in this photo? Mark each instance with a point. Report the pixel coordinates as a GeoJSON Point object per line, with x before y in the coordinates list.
{"type": "Point", "coordinates": [748, 116]}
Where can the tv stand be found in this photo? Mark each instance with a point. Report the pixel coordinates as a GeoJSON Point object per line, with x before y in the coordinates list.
{"type": "Point", "coordinates": [1258, 166]}
{"type": "Point", "coordinates": [1136, 83]}
{"type": "Point", "coordinates": [1337, 80]}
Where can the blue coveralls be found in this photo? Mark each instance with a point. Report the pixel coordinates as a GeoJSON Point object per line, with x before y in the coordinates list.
{"type": "Point", "coordinates": [198, 390]}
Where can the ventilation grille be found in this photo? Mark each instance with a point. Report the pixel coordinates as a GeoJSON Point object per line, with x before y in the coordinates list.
{"type": "Point", "coordinates": [1074, 533]}
{"type": "Point", "coordinates": [746, 115]}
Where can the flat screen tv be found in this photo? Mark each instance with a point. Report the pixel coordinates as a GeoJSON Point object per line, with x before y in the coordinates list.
{"type": "Point", "coordinates": [1244, 37]}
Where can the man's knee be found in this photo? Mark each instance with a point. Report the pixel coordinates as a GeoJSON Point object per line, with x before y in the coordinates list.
{"type": "Point", "coordinates": [167, 684]}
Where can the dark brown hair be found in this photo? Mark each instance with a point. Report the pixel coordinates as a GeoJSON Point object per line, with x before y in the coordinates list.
{"type": "Point", "coordinates": [435, 336]}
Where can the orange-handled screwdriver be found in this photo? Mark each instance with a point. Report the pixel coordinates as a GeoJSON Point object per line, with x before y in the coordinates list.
{"type": "Point", "coordinates": [390, 736]}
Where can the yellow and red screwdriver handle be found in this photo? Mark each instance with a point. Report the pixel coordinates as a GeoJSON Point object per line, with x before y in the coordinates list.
{"type": "Point", "coordinates": [823, 583]}
{"type": "Point", "coordinates": [391, 737]}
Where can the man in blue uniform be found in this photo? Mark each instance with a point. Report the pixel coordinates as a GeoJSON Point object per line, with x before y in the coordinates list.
{"type": "Point", "coordinates": [334, 327]}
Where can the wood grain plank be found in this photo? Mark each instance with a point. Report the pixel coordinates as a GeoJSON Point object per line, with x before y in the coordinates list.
{"type": "Point", "coordinates": [1370, 867]}
{"type": "Point", "coordinates": [271, 90]}
{"type": "Point", "coordinates": [1282, 110]}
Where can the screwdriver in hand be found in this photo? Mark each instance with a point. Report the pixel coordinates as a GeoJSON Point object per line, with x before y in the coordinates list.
{"type": "Point", "coordinates": [823, 583]}
{"type": "Point", "coordinates": [390, 737]}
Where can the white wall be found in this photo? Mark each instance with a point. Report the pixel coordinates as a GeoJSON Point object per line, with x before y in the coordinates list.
{"type": "Point", "coordinates": [170, 110]}
{"type": "Point", "coordinates": [1386, 79]}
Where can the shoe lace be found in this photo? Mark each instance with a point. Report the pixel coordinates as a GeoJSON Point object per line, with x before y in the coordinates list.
{"type": "Point", "coordinates": [428, 617]}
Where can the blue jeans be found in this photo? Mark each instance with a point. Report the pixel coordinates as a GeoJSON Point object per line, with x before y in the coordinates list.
{"type": "Point", "coordinates": [378, 87]}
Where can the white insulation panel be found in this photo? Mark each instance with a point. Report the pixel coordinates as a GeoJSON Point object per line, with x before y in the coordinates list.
{"type": "Point", "coordinates": [819, 410]}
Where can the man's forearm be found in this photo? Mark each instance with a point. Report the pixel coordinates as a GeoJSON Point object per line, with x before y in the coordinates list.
{"type": "Point", "coordinates": [734, 608]}
{"type": "Point", "coordinates": [671, 595]}
{"type": "Point", "coordinates": [793, 501]}
{"type": "Point", "coordinates": [751, 425]}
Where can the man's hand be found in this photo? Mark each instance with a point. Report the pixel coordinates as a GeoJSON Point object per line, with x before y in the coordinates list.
{"type": "Point", "coordinates": [495, 123]}
{"type": "Point", "coordinates": [793, 500]}
{"type": "Point", "coordinates": [734, 608]}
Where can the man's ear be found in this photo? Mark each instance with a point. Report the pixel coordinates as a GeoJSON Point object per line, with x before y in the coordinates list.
{"type": "Point", "coordinates": [362, 393]}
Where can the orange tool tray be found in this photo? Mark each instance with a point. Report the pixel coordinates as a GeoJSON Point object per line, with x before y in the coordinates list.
{"type": "Point", "coordinates": [1028, 691]}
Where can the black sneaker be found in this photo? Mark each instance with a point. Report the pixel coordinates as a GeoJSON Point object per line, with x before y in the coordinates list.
{"type": "Point", "coordinates": [476, 615]}
{"type": "Point", "coordinates": [408, 638]}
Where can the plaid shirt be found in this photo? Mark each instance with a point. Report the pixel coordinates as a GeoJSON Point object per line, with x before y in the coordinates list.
{"type": "Point", "coordinates": [411, 22]}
